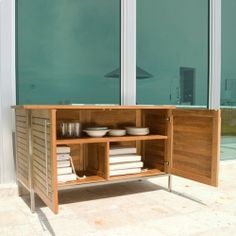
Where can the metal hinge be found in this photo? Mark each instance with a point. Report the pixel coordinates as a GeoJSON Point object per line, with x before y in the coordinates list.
{"type": "Point", "coordinates": [167, 163]}
{"type": "Point", "coordinates": [168, 119]}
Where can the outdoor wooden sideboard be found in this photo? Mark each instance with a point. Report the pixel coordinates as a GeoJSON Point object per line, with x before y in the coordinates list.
{"type": "Point", "coordinates": [183, 142]}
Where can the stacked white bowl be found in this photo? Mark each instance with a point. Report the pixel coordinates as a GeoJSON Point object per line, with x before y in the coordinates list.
{"type": "Point", "coordinates": [137, 130]}
{"type": "Point", "coordinates": [96, 131]}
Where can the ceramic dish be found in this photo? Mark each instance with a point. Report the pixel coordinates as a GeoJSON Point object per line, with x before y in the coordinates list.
{"type": "Point", "coordinates": [117, 132]}
{"type": "Point", "coordinates": [137, 130]}
{"type": "Point", "coordinates": [96, 133]}
{"type": "Point", "coordinates": [97, 128]}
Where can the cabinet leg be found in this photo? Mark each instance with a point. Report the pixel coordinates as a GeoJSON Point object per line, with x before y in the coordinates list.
{"type": "Point", "coordinates": [19, 189]}
{"type": "Point", "coordinates": [32, 201]}
{"type": "Point", "coordinates": [169, 183]}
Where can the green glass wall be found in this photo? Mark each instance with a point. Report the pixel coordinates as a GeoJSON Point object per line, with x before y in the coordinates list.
{"type": "Point", "coordinates": [65, 49]}
{"type": "Point", "coordinates": [172, 52]}
{"type": "Point", "coordinates": [228, 81]}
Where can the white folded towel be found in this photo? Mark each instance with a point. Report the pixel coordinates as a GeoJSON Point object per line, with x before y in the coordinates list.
{"type": "Point", "coordinates": [63, 149]}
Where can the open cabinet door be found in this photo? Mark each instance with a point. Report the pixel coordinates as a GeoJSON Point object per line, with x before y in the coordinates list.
{"type": "Point", "coordinates": [196, 145]}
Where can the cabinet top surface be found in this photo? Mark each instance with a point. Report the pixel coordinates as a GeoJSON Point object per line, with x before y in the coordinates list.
{"type": "Point", "coordinates": [95, 107]}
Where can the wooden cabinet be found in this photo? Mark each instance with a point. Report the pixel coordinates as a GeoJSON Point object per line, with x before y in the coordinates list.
{"type": "Point", "coordinates": [183, 142]}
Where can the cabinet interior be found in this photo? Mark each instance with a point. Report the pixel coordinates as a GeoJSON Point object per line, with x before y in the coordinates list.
{"type": "Point", "coordinates": [92, 159]}
{"type": "Point", "coordinates": [115, 119]}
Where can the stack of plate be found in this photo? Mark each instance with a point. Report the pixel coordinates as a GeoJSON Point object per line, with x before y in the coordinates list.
{"type": "Point", "coordinates": [117, 132]}
{"type": "Point", "coordinates": [96, 131]}
{"type": "Point", "coordinates": [137, 130]}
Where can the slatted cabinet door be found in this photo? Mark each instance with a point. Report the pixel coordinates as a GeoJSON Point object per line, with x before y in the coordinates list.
{"type": "Point", "coordinates": [22, 147]}
{"type": "Point", "coordinates": [43, 126]}
{"type": "Point", "coordinates": [196, 142]}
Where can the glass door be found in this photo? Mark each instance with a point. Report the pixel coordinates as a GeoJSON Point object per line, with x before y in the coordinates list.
{"type": "Point", "coordinates": [228, 81]}
{"type": "Point", "coordinates": [68, 51]}
{"type": "Point", "coordinates": [172, 52]}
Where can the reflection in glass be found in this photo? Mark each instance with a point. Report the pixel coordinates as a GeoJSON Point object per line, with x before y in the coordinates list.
{"type": "Point", "coordinates": [172, 45]}
{"type": "Point", "coordinates": [228, 81]}
{"type": "Point", "coordinates": [64, 49]}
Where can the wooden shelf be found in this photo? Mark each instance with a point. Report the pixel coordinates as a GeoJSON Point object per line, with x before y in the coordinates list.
{"type": "Point", "coordinates": [109, 139]}
{"type": "Point", "coordinates": [147, 173]}
{"type": "Point", "coordinates": [95, 178]}
{"type": "Point", "coordinates": [88, 179]}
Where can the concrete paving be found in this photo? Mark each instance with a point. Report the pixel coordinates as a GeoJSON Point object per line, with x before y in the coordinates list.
{"type": "Point", "coordinates": [134, 208]}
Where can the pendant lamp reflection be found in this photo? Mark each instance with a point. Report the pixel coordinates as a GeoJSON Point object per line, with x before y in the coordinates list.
{"type": "Point", "coordinates": [140, 74]}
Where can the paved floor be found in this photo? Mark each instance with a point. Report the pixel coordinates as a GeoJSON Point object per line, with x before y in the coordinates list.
{"type": "Point", "coordinates": [137, 208]}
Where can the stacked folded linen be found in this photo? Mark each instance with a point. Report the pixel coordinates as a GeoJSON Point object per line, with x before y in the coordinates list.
{"type": "Point", "coordinates": [65, 170]}
{"type": "Point", "coordinates": [124, 160]}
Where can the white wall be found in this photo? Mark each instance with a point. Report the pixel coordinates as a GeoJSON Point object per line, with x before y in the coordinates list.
{"type": "Point", "coordinates": [7, 89]}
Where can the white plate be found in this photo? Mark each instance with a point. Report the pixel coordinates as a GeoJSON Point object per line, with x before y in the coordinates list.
{"type": "Point", "coordinates": [117, 132]}
{"type": "Point", "coordinates": [137, 133]}
{"type": "Point", "coordinates": [138, 130]}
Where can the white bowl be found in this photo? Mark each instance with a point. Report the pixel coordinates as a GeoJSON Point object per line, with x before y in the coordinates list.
{"type": "Point", "coordinates": [96, 133]}
{"type": "Point", "coordinates": [97, 128]}
{"type": "Point", "coordinates": [117, 132]}
{"type": "Point", "coordinates": [137, 130]}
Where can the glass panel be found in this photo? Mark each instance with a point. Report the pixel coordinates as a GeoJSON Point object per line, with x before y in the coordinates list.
{"type": "Point", "coordinates": [66, 50]}
{"type": "Point", "coordinates": [172, 52]}
{"type": "Point", "coordinates": [228, 81]}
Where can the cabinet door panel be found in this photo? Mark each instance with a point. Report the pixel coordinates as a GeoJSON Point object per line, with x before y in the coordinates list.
{"type": "Point", "coordinates": [196, 143]}
{"type": "Point", "coordinates": [43, 127]}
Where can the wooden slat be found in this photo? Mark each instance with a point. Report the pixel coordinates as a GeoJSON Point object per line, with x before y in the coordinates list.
{"type": "Point", "coordinates": [23, 179]}
{"type": "Point", "coordinates": [22, 141]}
{"type": "Point", "coordinates": [21, 118]}
{"type": "Point", "coordinates": [22, 151]}
{"type": "Point", "coordinates": [42, 170]}
{"type": "Point", "coordinates": [43, 114]}
{"type": "Point", "coordinates": [39, 121]}
{"type": "Point", "coordinates": [42, 149]}
{"type": "Point", "coordinates": [41, 129]}
{"type": "Point", "coordinates": [22, 171]}
{"type": "Point", "coordinates": [21, 130]}
{"type": "Point", "coordinates": [23, 160]}
{"type": "Point", "coordinates": [42, 182]}
{"type": "Point", "coordinates": [21, 124]}
{"type": "Point", "coordinates": [21, 135]}
{"type": "Point", "coordinates": [44, 195]}
{"type": "Point", "coordinates": [38, 172]}
{"type": "Point", "coordinates": [42, 162]}
{"type": "Point", "coordinates": [40, 155]}
{"type": "Point", "coordinates": [41, 142]}
{"type": "Point", "coordinates": [40, 135]}
{"type": "Point", "coordinates": [20, 112]}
